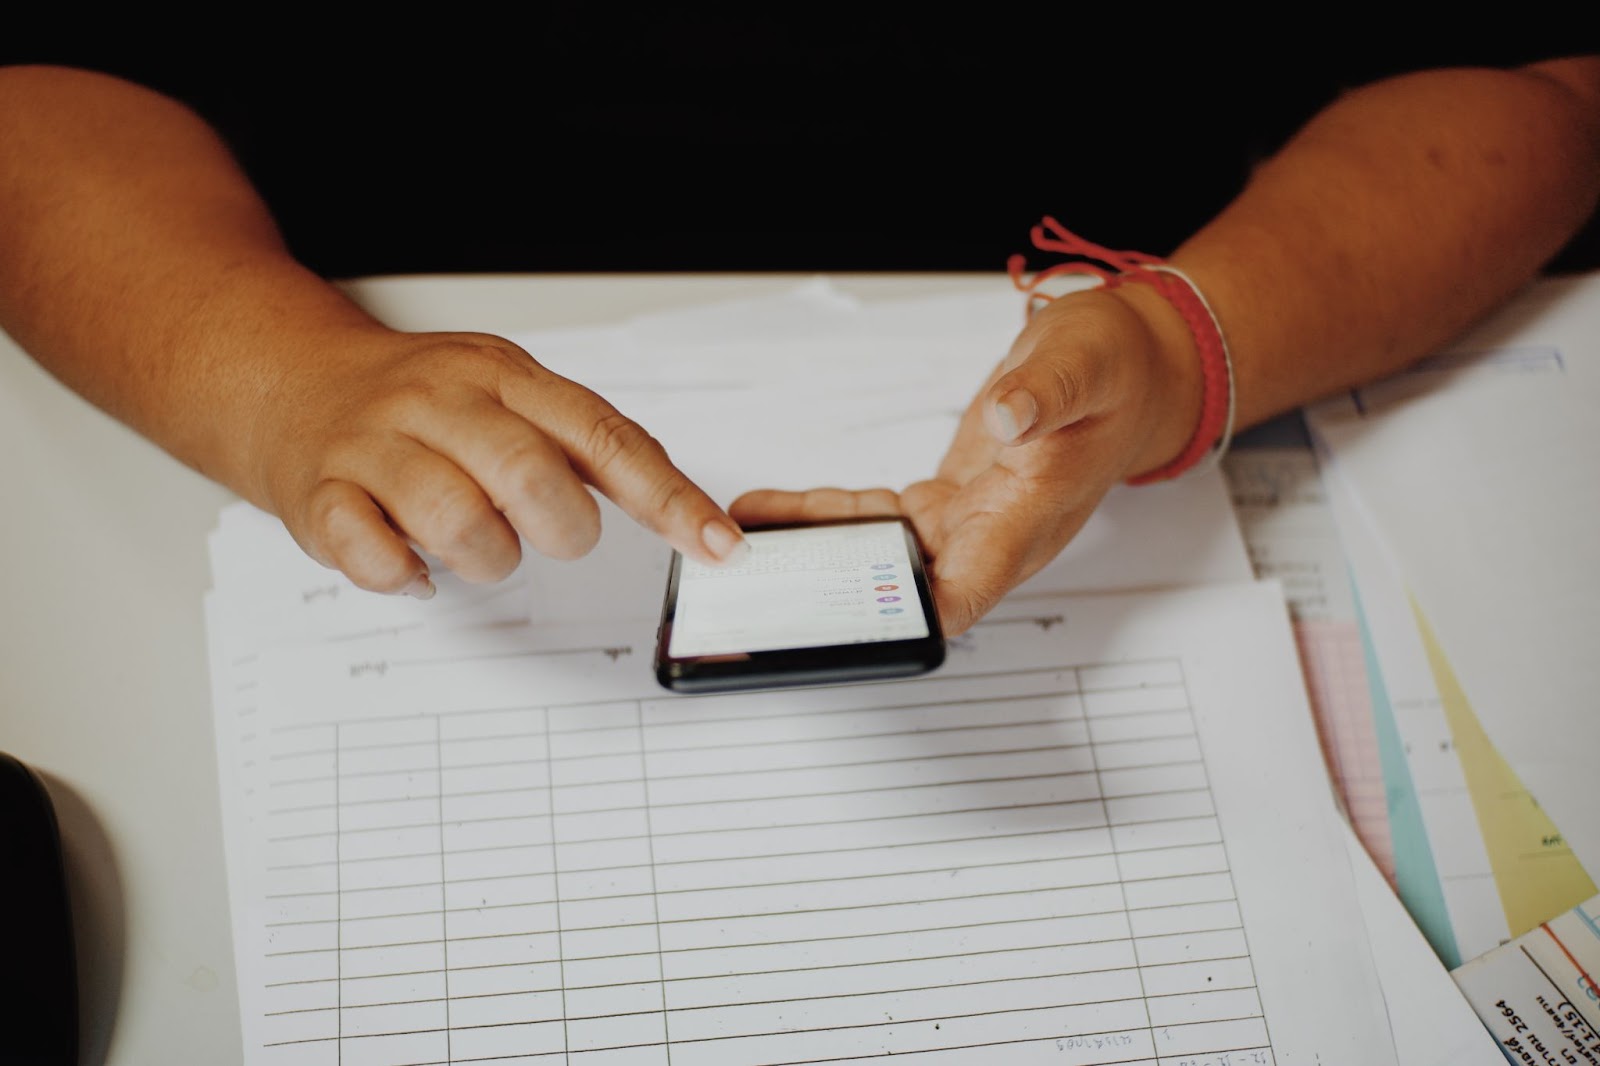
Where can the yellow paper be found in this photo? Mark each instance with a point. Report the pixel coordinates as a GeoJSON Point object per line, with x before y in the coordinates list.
{"type": "Point", "coordinates": [1535, 871]}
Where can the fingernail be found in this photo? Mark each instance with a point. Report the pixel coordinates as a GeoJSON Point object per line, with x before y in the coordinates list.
{"type": "Point", "coordinates": [1014, 414]}
{"type": "Point", "coordinates": [421, 588]}
{"type": "Point", "coordinates": [724, 542]}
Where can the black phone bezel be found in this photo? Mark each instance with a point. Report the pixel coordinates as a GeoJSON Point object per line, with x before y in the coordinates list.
{"type": "Point", "coordinates": [831, 664]}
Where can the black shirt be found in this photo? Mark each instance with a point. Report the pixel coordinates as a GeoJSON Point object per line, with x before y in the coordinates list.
{"type": "Point", "coordinates": [593, 139]}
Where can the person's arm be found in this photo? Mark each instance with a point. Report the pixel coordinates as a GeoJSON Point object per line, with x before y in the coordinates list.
{"type": "Point", "coordinates": [1394, 219]}
{"type": "Point", "coordinates": [140, 267]}
{"type": "Point", "coordinates": [1398, 217]}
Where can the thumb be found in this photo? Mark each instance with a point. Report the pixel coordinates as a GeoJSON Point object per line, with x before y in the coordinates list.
{"type": "Point", "coordinates": [1060, 370]}
{"type": "Point", "coordinates": [1046, 392]}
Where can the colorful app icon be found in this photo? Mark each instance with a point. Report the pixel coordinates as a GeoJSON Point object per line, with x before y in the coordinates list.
{"type": "Point", "coordinates": [888, 599]}
{"type": "Point", "coordinates": [885, 588]}
{"type": "Point", "coordinates": [892, 610]}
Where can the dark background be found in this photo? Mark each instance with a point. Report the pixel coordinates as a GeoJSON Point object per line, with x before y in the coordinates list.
{"type": "Point", "coordinates": [591, 139]}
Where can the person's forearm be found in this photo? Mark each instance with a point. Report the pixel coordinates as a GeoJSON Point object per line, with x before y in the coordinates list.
{"type": "Point", "coordinates": [137, 264]}
{"type": "Point", "coordinates": [1397, 217]}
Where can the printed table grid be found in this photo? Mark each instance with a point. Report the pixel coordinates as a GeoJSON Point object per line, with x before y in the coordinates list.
{"type": "Point", "coordinates": [767, 878]}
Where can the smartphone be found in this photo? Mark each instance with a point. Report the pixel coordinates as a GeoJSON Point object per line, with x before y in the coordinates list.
{"type": "Point", "coordinates": [813, 604]}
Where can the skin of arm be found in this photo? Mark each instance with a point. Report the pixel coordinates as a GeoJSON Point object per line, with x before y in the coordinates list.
{"type": "Point", "coordinates": [140, 267]}
{"type": "Point", "coordinates": [1395, 218]}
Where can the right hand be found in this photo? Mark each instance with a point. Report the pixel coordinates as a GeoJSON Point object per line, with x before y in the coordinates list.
{"type": "Point", "coordinates": [458, 443]}
{"type": "Point", "coordinates": [1099, 386]}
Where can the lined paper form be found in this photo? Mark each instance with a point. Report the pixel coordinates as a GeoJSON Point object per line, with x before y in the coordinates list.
{"type": "Point", "coordinates": [511, 847]}
{"type": "Point", "coordinates": [624, 857]}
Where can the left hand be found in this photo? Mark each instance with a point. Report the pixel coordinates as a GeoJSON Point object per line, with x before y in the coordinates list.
{"type": "Point", "coordinates": [1099, 386]}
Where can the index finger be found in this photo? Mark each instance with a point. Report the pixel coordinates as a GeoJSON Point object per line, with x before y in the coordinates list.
{"type": "Point", "coordinates": [617, 456]}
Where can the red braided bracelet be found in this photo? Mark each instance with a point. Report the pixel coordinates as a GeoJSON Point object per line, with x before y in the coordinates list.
{"type": "Point", "coordinates": [1214, 431]}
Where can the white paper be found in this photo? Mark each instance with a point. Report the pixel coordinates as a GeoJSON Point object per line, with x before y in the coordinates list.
{"type": "Point", "coordinates": [510, 842]}
{"type": "Point", "coordinates": [522, 679]}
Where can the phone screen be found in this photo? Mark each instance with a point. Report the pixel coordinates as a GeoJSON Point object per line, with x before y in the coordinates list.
{"type": "Point", "coordinates": [827, 601]}
{"type": "Point", "coordinates": [801, 588]}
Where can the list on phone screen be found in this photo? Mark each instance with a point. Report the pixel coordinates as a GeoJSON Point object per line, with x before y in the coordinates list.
{"type": "Point", "coordinates": [807, 587]}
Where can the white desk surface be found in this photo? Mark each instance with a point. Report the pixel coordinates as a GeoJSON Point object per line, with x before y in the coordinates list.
{"type": "Point", "coordinates": [104, 687]}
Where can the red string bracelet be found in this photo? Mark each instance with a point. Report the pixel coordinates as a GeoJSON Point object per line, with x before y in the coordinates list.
{"type": "Point", "coordinates": [1214, 431]}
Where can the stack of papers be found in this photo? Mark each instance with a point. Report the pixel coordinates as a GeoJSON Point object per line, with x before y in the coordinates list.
{"type": "Point", "coordinates": [1443, 577]}
{"type": "Point", "coordinates": [1463, 502]}
{"type": "Point", "coordinates": [475, 830]}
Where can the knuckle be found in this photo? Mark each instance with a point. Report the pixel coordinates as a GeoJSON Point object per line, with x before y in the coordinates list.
{"type": "Point", "coordinates": [371, 559]}
{"type": "Point", "coordinates": [319, 461]}
{"type": "Point", "coordinates": [407, 400]}
{"type": "Point", "coordinates": [1066, 382]}
{"type": "Point", "coordinates": [325, 515]}
{"type": "Point", "coordinates": [752, 502]}
{"type": "Point", "coordinates": [878, 502]}
{"type": "Point", "coordinates": [829, 502]}
{"type": "Point", "coordinates": [617, 439]}
{"type": "Point", "coordinates": [959, 607]}
{"type": "Point", "coordinates": [505, 563]}
{"type": "Point", "coordinates": [484, 357]}
{"type": "Point", "coordinates": [453, 522]}
{"type": "Point", "coordinates": [524, 472]}
{"type": "Point", "coordinates": [977, 596]}
{"type": "Point", "coordinates": [578, 536]}
{"type": "Point", "coordinates": [665, 498]}
{"type": "Point", "coordinates": [444, 366]}
{"type": "Point", "coordinates": [472, 349]}
{"type": "Point", "coordinates": [493, 565]}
